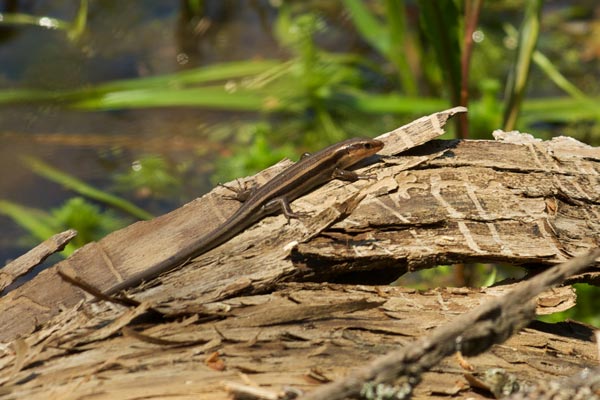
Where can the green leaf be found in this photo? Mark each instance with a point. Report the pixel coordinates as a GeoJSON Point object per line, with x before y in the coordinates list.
{"type": "Point", "coordinates": [90, 223]}
{"type": "Point", "coordinates": [152, 174]}
{"type": "Point", "coordinates": [252, 157]}
{"type": "Point", "coordinates": [88, 219]}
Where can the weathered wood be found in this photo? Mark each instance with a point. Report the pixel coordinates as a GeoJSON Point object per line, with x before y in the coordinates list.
{"type": "Point", "coordinates": [28, 261]}
{"type": "Point", "coordinates": [480, 201]}
{"type": "Point", "coordinates": [435, 205]}
{"type": "Point", "coordinates": [300, 336]}
{"type": "Point", "coordinates": [228, 322]}
{"type": "Point", "coordinates": [140, 246]}
{"type": "Point", "coordinates": [471, 333]}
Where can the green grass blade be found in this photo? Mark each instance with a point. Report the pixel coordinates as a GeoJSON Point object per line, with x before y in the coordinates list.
{"type": "Point", "coordinates": [27, 19]}
{"type": "Point", "coordinates": [170, 90]}
{"type": "Point", "coordinates": [196, 76]}
{"type": "Point", "coordinates": [517, 82]}
{"type": "Point", "coordinates": [30, 219]}
{"type": "Point", "coordinates": [387, 38]}
{"type": "Point", "coordinates": [554, 74]}
{"type": "Point", "coordinates": [392, 103]}
{"type": "Point", "coordinates": [34, 221]}
{"type": "Point", "coordinates": [369, 27]}
{"type": "Point", "coordinates": [209, 97]}
{"type": "Point", "coordinates": [79, 23]}
{"type": "Point", "coordinates": [560, 110]}
{"type": "Point", "coordinates": [440, 20]}
{"type": "Point", "coordinates": [11, 96]}
{"type": "Point", "coordinates": [491, 278]}
{"type": "Point", "coordinates": [68, 181]}
{"type": "Point", "coordinates": [396, 18]}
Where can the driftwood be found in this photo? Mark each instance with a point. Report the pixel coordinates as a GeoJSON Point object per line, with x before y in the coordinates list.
{"type": "Point", "coordinates": [228, 322]}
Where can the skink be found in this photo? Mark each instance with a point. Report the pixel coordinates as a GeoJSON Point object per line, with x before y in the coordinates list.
{"type": "Point", "coordinates": [298, 179]}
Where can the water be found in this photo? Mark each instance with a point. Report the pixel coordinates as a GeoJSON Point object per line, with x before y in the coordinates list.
{"type": "Point", "coordinates": [123, 40]}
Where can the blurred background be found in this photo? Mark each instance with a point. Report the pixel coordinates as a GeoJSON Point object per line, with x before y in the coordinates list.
{"type": "Point", "coordinates": [113, 111]}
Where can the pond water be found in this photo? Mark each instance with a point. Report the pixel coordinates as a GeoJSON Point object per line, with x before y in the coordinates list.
{"type": "Point", "coordinates": [122, 40]}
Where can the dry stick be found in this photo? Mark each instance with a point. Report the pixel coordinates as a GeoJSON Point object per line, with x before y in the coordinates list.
{"type": "Point", "coordinates": [22, 265]}
{"type": "Point", "coordinates": [94, 291]}
{"type": "Point", "coordinates": [471, 333]}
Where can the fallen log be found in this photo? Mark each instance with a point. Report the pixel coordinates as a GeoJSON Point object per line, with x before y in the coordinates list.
{"type": "Point", "coordinates": [255, 317]}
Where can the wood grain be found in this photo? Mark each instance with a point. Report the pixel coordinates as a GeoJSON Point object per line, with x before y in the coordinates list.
{"type": "Point", "coordinates": [141, 245]}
